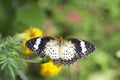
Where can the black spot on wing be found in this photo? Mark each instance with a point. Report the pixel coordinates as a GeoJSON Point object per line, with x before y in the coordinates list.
{"type": "Point", "coordinates": [40, 51]}
{"type": "Point", "coordinates": [64, 62]}
{"type": "Point", "coordinates": [57, 61]}
{"type": "Point", "coordinates": [68, 62]}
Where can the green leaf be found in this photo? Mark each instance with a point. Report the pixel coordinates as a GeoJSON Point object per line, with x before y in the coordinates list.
{"type": "Point", "coordinates": [21, 74]}
{"type": "Point", "coordinates": [2, 57]}
{"type": "Point", "coordinates": [13, 63]}
{"type": "Point", "coordinates": [11, 71]}
{"type": "Point", "coordinates": [33, 61]}
{"type": "Point", "coordinates": [3, 65]}
{"type": "Point", "coordinates": [3, 61]}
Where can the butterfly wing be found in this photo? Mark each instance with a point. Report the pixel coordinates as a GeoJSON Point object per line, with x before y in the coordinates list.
{"type": "Point", "coordinates": [82, 47]}
{"type": "Point", "coordinates": [73, 49]}
{"type": "Point", "coordinates": [68, 53]}
{"type": "Point", "coordinates": [52, 50]}
{"type": "Point", "coordinates": [38, 44]}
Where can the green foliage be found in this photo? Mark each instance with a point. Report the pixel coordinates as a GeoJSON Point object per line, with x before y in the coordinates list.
{"type": "Point", "coordinates": [11, 62]}
{"type": "Point", "coordinates": [10, 58]}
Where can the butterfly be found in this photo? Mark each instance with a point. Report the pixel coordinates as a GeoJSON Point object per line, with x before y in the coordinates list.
{"type": "Point", "coordinates": [61, 51]}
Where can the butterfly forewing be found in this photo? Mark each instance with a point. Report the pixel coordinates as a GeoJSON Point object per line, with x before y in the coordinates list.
{"type": "Point", "coordinates": [37, 45]}
{"type": "Point", "coordinates": [82, 47]}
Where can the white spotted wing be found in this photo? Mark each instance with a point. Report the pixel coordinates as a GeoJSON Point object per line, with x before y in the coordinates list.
{"type": "Point", "coordinates": [52, 49]}
{"type": "Point", "coordinates": [61, 51]}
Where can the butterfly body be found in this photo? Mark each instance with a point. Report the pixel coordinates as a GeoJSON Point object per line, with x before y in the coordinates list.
{"type": "Point", "coordinates": [60, 50]}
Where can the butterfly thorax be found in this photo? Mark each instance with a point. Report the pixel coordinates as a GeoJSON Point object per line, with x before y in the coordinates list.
{"type": "Point", "coordinates": [60, 41]}
{"type": "Point", "coordinates": [59, 48]}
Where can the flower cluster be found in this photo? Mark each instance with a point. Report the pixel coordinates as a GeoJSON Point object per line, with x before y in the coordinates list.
{"type": "Point", "coordinates": [50, 69]}
{"type": "Point", "coordinates": [30, 33]}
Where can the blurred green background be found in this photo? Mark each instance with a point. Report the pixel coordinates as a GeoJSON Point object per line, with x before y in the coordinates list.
{"type": "Point", "coordinates": [97, 21]}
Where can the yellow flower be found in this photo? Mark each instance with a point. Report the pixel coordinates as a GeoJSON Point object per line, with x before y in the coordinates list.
{"type": "Point", "coordinates": [28, 34]}
{"type": "Point", "coordinates": [50, 69]}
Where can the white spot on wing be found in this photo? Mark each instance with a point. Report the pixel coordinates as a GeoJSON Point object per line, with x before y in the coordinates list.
{"type": "Point", "coordinates": [68, 51]}
{"type": "Point", "coordinates": [52, 49]}
{"type": "Point", "coordinates": [84, 49]}
{"type": "Point", "coordinates": [36, 46]}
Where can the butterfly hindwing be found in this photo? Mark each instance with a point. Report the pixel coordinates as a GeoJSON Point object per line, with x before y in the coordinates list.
{"type": "Point", "coordinates": [52, 49]}
{"type": "Point", "coordinates": [67, 53]}
{"type": "Point", "coordinates": [37, 45]}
